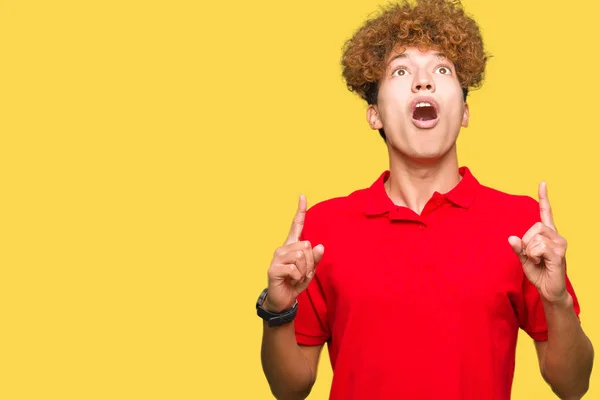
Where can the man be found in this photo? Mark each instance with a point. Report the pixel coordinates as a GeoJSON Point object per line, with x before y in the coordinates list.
{"type": "Point", "coordinates": [420, 283]}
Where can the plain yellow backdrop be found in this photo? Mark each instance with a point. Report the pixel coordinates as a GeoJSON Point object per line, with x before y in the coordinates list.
{"type": "Point", "coordinates": [152, 152]}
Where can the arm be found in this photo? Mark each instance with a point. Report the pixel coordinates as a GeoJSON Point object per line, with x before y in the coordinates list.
{"type": "Point", "coordinates": [566, 358]}
{"type": "Point", "coordinates": [291, 370]}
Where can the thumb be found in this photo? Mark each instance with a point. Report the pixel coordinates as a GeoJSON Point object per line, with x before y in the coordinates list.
{"type": "Point", "coordinates": [318, 252]}
{"type": "Point", "coordinates": [517, 245]}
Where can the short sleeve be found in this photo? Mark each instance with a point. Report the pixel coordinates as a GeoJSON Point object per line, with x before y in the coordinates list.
{"type": "Point", "coordinates": [311, 322]}
{"type": "Point", "coordinates": [532, 319]}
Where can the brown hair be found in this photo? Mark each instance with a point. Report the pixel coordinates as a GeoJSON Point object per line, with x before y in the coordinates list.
{"type": "Point", "coordinates": [441, 25]}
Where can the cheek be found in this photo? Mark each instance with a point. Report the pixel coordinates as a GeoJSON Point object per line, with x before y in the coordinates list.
{"type": "Point", "coordinates": [455, 110]}
{"type": "Point", "coordinates": [393, 101]}
{"type": "Point", "coordinates": [453, 99]}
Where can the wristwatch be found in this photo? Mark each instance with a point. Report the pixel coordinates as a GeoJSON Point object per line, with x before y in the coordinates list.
{"type": "Point", "coordinates": [275, 319]}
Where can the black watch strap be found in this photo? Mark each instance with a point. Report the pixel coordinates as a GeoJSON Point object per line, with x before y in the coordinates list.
{"type": "Point", "coordinates": [275, 319]}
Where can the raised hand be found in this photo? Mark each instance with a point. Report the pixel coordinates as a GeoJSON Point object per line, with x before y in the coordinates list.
{"type": "Point", "coordinates": [542, 253]}
{"type": "Point", "coordinates": [293, 265]}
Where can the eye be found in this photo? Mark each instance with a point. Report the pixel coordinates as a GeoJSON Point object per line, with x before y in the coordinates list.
{"type": "Point", "coordinates": [443, 70]}
{"type": "Point", "coordinates": [400, 72]}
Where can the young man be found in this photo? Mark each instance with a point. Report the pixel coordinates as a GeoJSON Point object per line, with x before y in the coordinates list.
{"type": "Point", "coordinates": [420, 283]}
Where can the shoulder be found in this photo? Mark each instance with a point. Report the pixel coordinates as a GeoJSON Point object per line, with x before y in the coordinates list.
{"type": "Point", "coordinates": [513, 201]}
{"type": "Point", "coordinates": [336, 211]}
{"type": "Point", "coordinates": [512, 208]}
{"type": "Point", "coordinates": [337, 207]}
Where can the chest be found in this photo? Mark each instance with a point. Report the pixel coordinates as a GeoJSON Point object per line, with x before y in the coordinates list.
{"type": "Point", "coordinates": [423, 269]}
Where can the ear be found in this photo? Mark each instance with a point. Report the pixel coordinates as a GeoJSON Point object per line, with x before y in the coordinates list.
{"type": "Point", "coordinates": [465, 119]}
{"type": "Point", "coordinates": [373, 117]}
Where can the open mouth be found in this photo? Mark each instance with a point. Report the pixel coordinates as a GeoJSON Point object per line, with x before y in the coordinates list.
{"type": "Point", "coordinates": [425, 113]}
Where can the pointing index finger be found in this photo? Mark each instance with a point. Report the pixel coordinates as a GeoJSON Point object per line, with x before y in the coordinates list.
{"type": "Point", "coordinates": [298, 222]}
{"type": "Point", "coordinates": [545, 209]}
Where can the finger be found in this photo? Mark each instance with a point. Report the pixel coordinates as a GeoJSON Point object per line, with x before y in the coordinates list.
{"type": "Point", "coordinates": [280, 272]}
{"type": "Point", "coordinates": [544, 248]}
{"type": "Point", "coordinates": [303, 284]}
{"type": "Point", "coordinates": [534, 231]}
{"type": "Point", "coordinates": [296, 257]}
{"type": "Point", "coordinates": [536, 250]}
{"type": "Point", "coordinates": [545, 209]}
{"type": "Point", "coordinates": [318, 252]}
{"type": "Point", "coordinates": [517, 246]}
{"type": "Point", "coordinates": [301, 262]}
{"type": "Point", "coordinates": [310, 261]}
{"type": "Point", "coordinates": [298, 222]}
{"type": "Point", "coordinates": [292, 247]}
{"type": "Point", "coordinates": [289, 257]}
{"type": "Point", "coordinates": [539, 229]}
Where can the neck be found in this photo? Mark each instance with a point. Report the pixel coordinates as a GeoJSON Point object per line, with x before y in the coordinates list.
{"type": "Point", "coordinates": [412, 182]}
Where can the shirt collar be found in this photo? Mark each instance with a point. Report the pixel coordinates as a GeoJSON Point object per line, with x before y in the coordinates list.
{"type": "Point", "coordinates": [461, 195]}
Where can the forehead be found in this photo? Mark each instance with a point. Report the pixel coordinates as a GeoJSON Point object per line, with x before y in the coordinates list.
{"type": "Point", "coordinates": [415, 55]}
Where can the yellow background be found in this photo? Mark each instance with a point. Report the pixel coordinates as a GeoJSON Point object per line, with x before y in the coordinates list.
{"type": "Point", "coordinates": [151, 154]}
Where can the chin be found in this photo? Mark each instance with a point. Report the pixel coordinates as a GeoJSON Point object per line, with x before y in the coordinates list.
{"type": "Point", "coordinates": [422, 150]}
{"type": "Point", "coordinates": [427, 155]}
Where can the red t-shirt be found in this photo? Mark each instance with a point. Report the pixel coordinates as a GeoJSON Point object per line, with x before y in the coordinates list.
{"type": "Point", "coordinates": [421, 306]}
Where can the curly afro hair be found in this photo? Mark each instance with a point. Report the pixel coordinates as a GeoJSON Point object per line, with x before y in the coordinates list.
{"type": "Point", "coordinates": [440, 25]}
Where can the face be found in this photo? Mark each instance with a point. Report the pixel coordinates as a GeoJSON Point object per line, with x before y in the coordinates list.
{"type": "Point", "coordinates": [420, 105]}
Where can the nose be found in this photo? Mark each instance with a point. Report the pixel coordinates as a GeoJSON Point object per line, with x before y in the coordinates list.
{"type": "Point", "coordinates": [423, 82]}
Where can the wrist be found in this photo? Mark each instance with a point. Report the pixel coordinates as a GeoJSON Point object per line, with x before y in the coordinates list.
{"type": "Point", "coordinates": [267, 305]}
{"type": "Point", "coordinates": [563, 301]}
{"type": "Point", "coordinates": [270, 307]}
{"type": "Point", "coordinates": [274, 315]}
